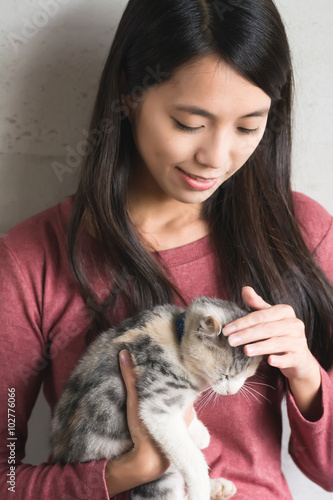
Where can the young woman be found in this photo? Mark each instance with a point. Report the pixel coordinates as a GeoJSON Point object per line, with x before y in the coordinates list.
{"type": "Point", "coordinates": [185, 192]}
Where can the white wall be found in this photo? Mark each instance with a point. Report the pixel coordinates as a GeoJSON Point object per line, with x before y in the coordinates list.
{"type": "Point", "coordinates": [309, 26]}
{"type": "Point", "coordinates": [52, 53]}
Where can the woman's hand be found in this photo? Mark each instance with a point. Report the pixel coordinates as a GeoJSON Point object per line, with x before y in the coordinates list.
{"type": "Point", "coordinates": [145, 462]}
{"type": "Point", "coordinates": [275, 331]}
{"type": "Point", "coordinates": [144, 447]}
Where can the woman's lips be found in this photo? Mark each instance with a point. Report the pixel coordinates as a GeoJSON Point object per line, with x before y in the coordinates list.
{"type": "Point", "coordinates": [195, 182]}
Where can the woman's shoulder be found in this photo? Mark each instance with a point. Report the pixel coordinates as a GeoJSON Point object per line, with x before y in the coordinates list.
{"type": "Point", "coordinates": [36, 235]}
{"type": "Point", "coordinates": [315, 221]}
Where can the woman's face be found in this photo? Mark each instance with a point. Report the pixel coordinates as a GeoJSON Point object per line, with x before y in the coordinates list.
{"type": "Point", "coordinates": [196, 130]}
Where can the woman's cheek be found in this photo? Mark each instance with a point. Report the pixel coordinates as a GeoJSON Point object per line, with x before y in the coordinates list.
{"type": "Point", "coordinates": [176, 150]}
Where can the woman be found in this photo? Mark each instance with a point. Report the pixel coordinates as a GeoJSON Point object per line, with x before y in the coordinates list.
{"type": "Point", "coordinates": [185, 192]}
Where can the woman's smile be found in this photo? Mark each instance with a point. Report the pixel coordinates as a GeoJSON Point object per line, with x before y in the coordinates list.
{"type": "Point", "coordinates": [196, 182]}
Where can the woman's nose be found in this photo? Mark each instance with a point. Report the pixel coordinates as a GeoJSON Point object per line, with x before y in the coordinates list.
{"type": "Point", "coordinates": [215, 151]}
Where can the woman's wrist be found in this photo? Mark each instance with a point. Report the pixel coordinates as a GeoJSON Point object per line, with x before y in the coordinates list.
{"type": "Point", "coordinates": [131, 470]}
{"type": "Point", "coordinates": [119, 474]}
{"type": "Point", "coordinates": [307, 393]}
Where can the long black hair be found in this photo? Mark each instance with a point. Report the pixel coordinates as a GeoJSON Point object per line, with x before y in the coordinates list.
{"type": "Point", "coordinates": [251, 216]}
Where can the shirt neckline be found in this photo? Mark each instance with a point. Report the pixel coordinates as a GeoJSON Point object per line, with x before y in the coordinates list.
{"type": "Point", "coordinates": [186, 253]}
{"type": "Point", "coordinates": [171, 257]}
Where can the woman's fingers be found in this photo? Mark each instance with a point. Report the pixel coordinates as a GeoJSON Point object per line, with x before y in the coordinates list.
{"type": "Point", "coordinates": [272, 331]}
{"type": "Point", "coordinates": [275, 345]}
{"type": "Point", "coordinates": [252, 300]}
{"type": "Point", "coordinates": [265, 315]}
{"type": "Point", "coordinates": [291, 327]}
{"type": "Point", "coordinates": [275, 331]}
{"type": "Point", "coordinates": [135, 424]}
{"type": "Point", "coordinates": [128, 373]}
{"type": "Point", "coordinates": [129, 376]}
{"type": "Point", "coordinates": [151, 462]}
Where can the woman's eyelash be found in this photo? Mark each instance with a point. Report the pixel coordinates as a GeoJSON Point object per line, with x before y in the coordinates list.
{"type": "Point", "coordinates": [185, 128]}
{"type": "Point", "coordinates": [248, 131]}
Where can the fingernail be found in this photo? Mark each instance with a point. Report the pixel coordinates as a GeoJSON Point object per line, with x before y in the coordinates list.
{"type": "Point", "coordinates": [252, 289]}
{"type": "Point", "coordinates": [235, 340]}
{"type": "Point", "coordinates": [124, 357]}
{"type": "Point", "coordinates": [229, 329]}
{"type": "Point", "coordinates": [250, 350]}
{"type": "Point", "coordinates": [273, 360]}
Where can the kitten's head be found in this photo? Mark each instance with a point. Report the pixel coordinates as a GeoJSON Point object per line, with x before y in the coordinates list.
{"type": "Point", "coordinates": [206, 352]}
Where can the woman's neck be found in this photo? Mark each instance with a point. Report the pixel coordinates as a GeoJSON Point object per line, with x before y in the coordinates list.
{"type": "Point", "coordinates": [166, 224]}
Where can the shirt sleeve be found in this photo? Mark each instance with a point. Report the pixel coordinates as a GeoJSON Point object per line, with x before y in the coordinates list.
{"type": "Point", "coordinates": [22, 366]}
{"type": "Point", "coordinates": [311, 443]}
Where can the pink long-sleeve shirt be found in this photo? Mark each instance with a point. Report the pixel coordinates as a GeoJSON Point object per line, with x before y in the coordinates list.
{"type": "Point", "coordinates": [40, 304]}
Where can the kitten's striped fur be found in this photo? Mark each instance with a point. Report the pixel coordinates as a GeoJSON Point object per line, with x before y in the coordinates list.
{"type": "Point", "coordinates": [90, 418]}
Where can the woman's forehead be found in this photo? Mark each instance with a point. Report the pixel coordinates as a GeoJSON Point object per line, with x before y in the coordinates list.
{"type": "Point", "coordinates": [209, 86]}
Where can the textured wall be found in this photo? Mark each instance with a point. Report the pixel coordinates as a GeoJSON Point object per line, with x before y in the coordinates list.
{"type": "Point", "coordinates": [309, 27]}
{"type": "Point", "coordinates": [52, 53]}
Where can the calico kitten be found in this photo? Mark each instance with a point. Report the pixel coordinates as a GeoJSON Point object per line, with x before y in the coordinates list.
{"type": "Point", "coordinates": [172, 370]}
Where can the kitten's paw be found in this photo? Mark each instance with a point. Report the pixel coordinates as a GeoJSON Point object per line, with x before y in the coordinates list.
{"type": "Point", "coordinates": [221, 489]}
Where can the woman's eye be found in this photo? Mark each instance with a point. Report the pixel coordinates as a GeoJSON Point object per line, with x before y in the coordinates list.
{"type": "Point", "coordinates": [242, 130]}
{"type": "Point", "coordinates": [185, 128]}
{"type": "Point", "coordinates": [247, 131]}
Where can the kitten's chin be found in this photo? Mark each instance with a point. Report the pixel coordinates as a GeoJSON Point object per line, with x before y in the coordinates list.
{"type": "Point", "coordinates": [226, 391]}
{"type": "Point", "coordinates": [229, 387]}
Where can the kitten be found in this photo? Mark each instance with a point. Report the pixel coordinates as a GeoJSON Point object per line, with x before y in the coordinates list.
{"type": "Point", "coordinates": [177, 355]}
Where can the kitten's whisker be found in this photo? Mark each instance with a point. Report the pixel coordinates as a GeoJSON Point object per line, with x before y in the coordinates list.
{"type": "Point", "coordinates": [251, 389]}
{"type": "Point", "coordinates": [204, 390]}
{"type": "Point", "coordinates": [201, 402]}
{"type": "Point", "coordinates": [261, 375]}
{"type": "Point", "coordinates": [216, 398]}
{"type": "Point", "coordinates": [210, 398]}
{"type": "Point", "coordinates": [251, 394]}
{"type": "Point", "coordinates": [206, 393]}
{"type": "Point", "coordinates": [243, 392]}
{"type": "Point", "coordinates": [261, 383]}
{"type": "Point", "coordinates": [204, 400]}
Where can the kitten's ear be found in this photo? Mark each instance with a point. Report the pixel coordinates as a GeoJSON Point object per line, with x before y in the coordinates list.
{"type": "Point", "coordinates": [210, 326]}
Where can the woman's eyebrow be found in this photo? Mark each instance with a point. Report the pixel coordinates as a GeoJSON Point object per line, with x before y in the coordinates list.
{"type": "Point", "coordinates": [193, 110]}
{"type": "Point", "coordinates": [261, 113]}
